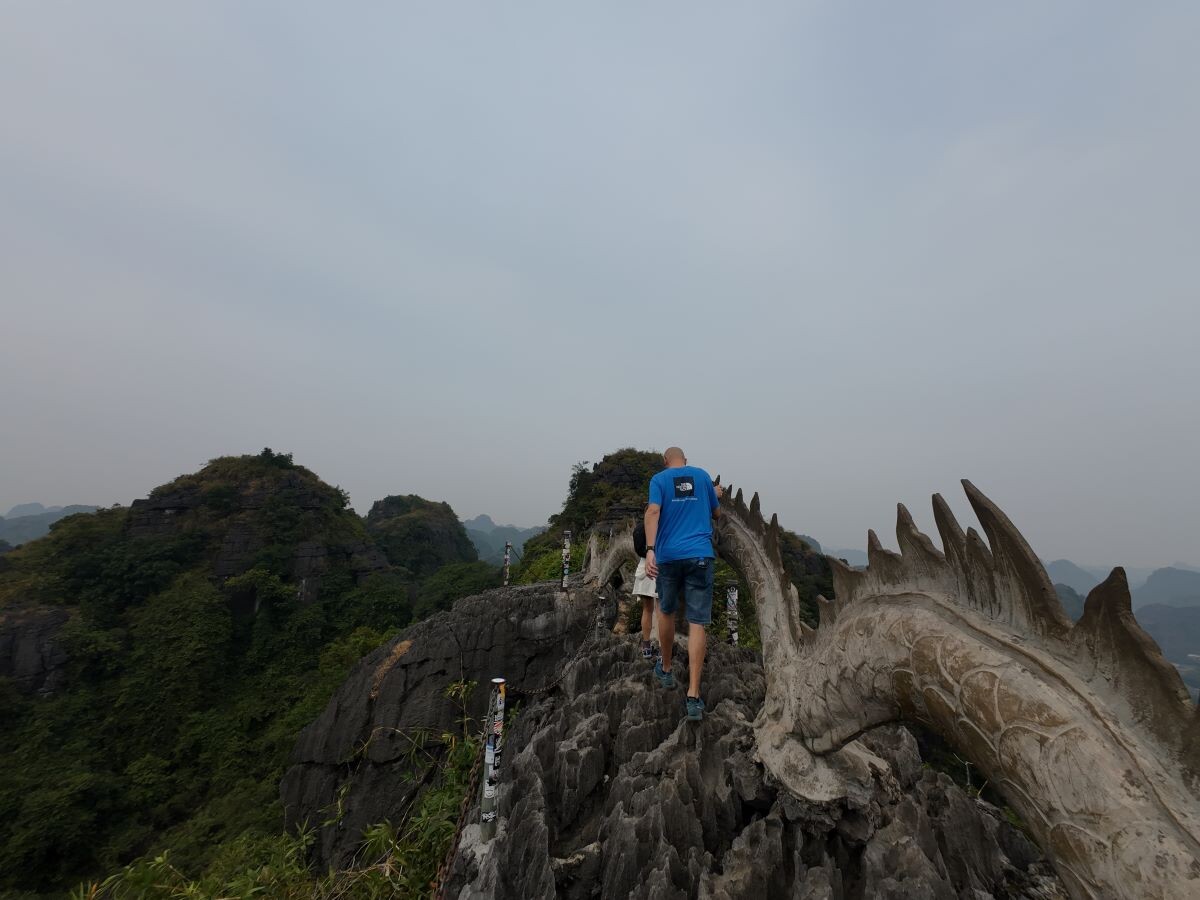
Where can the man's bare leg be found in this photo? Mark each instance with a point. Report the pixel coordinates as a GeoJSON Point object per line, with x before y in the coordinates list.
{"type": "Point", "coordinates": [666, 640]}
{"type": "Point", "coordinates": [697, 644]}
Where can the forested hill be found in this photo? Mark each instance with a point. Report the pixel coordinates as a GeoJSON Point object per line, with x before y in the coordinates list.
{"type": "Point", "coordinates": [158, 660]}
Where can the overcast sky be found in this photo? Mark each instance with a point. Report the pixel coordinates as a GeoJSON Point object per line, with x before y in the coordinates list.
{"type": "Point", "coordinates": [843, 253]}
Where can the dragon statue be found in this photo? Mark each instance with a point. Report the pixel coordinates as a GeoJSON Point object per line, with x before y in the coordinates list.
{"type": "Point", "coordinates": [1084, 728]}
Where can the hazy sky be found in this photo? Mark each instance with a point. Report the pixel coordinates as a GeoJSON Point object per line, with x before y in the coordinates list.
{"type": "Point", "coordinates": [843, 253]}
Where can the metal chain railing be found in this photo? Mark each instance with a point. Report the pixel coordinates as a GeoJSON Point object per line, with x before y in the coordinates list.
{"type": "Point", "coordinates": [575, 657]}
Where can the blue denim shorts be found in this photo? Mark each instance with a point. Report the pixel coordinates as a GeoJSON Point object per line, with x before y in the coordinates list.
{"type": "Point", "coordinates": [690, 580]}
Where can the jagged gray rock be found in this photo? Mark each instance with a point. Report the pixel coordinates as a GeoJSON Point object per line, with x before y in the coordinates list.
{"type": "Point", "coordinates": [607, 792]}
{"type": "Point", "coordinates": [611, 794]}
{"type": "Point", "coordinates": [356, 756]}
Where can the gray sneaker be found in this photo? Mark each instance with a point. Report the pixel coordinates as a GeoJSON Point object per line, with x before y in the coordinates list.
{"type": "Point", "coordinates": [695, 709]}
{"type": "Point", "coordinates": [666, 679]}
{"type": "Point", "coordinates": [647, 651]}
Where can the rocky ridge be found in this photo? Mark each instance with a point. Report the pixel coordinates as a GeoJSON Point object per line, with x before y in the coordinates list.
{"type": "Point", "coordinates": [608, 793]}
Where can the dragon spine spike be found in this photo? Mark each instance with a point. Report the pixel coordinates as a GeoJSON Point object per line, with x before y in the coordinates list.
{"type": "Point", "coordinates": [873, 544]}
{"type": "Point", "coordinates": [882, 563]}
{"type": "Point", "coordinates": [738, 501]}
{"type": "Point", "coordinates": [827, 610]}
{"type": "Point", "coordinates": [954, 542]}
{"type": "Point", "coordinates": [846, 581]}
{"type": "Point", "coordinates": [1125, 656]}
{"type": "Point", "coordinates": [756, 508]}
{"type": "Point", "coordinates": [716, 481]}
{"type": "Point", "coordinates": [593, 551]}
{"type": "Point", "coordinates": [978, 552]}
{"type": "Point", "coordinates": [773, 541]}
{"type": "Point", "coordinates": [915, 546]}
{"type": "Point", "coordinates": [1012, 555]}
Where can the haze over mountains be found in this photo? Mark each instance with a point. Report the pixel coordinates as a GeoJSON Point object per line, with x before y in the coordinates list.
{"type": "Point", "coordinates": [489, 538]}
{"type": "Point", "coordinates": [30, 521]}
{"type": "Point", "coordinates": [1166, 603]}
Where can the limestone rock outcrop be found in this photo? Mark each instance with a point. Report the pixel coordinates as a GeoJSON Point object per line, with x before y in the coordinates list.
{"type": "Point", "coordinates": [419, 535]}
{"type": "Point", "coordinates": [31, 651]}
{"type": "Point", "coordinates": [607, 792]}
{"type": "Point", "coordinates": [358, 752]}
{"type": "Point", "coordinates": [611, 794]}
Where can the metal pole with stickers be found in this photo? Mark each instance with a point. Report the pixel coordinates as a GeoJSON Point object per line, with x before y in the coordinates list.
{"type": "Point", "coordinates": [566, 557]}
{"type": "Point", "coordinates": [491, 760]}
{"type": "Point", "coordinates": [731, 613]}
{"type": "Point", "coordinates": [507, 559]}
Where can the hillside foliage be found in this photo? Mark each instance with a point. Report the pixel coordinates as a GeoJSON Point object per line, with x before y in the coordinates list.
{"type": "Point", "coordinates": [186, 690]}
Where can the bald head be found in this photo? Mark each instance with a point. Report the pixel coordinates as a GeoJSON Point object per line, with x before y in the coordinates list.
{"type": "Point", "coordinates": [674, 457]}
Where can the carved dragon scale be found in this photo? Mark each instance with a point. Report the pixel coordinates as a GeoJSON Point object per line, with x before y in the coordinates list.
{"type": "Point", "coordinates": [1087, 731]}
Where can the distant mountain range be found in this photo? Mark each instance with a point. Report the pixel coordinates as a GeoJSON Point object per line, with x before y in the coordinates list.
{"type": "Point", "coordinates": [1071, 600]}
{"type": "Point", "coordinates": [1079, 579]}
{"type": "Point", "coordinates": [1176, 629]}
{"type": "Point", "coordinates": [1166, 604]}
{"type": "Point", "coordinates": [1177, 585]}
{"type": "Point", "coordinates": [853, 557]}
{"type": "Point", "coordinates": [30, 521]}
{"type": "Point", "coordinates": [1170, 586]}
{"type": "Point", "coordinates": [489, 538]}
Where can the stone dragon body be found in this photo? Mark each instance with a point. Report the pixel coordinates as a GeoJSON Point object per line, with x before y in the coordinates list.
{"type": "Point", "coordinates": [1085, 728]}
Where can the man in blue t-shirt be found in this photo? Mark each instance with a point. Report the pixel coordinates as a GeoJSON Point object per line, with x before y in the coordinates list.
{"type": "Point", "coordinates": [679, 553]}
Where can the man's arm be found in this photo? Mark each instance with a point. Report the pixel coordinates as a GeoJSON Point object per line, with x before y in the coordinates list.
{"type": "Point", "coordinates": [650, 520]}
{"type": "Point", "coordinates": [717, 493]}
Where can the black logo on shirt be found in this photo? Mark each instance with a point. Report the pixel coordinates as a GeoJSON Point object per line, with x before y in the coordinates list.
{"type": "Point", "coordinates": [685, 487]}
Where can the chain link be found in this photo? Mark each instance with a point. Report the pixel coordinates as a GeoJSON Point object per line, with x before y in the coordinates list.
{"type": "Point", "coordinates": [551, 685]}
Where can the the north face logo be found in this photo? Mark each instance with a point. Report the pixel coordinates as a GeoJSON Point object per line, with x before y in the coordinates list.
{"type": "Point", "coordinates": [685, 487]}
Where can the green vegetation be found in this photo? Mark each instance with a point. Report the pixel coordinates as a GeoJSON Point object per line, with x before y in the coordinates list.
{"type": "Point", "coordinates": [809, 572]}
{"type": "Point", "coordinates": [186, 689]}
{"type": "Point", "coordinates": [546, 564]}
{"type": "Point", "coordinates": [418, 535]}
{"type": "Point", "coordinates": [618, 483]}
{"type": "Point", "coordinates": [396, 861]}
{"type": "Point", "coordinates": [451, 582]}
